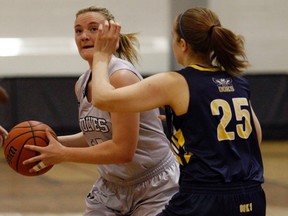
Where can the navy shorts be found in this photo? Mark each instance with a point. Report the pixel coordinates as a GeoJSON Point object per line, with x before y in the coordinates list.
{"type": "Point", "coordinates": [240, 201]}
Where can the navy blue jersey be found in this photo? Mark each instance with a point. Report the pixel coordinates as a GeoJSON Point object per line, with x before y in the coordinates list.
{"type": "Point", "coordinates": [216, 140]}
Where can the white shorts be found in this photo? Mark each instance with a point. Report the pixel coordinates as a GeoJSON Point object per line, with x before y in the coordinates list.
{"type": "Point", "coordinates": [146, 198]}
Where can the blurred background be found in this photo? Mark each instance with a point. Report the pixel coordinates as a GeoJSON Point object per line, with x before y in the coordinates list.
{"type": "Point", "coordinates": [39, 65]}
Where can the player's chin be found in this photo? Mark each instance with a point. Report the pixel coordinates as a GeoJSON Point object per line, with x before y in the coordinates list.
{"type": "Point", "coordinates": [87, 54]}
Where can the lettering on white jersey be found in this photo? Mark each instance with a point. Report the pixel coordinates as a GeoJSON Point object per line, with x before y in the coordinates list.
{"type": "Point", "coordinates": [91, 123]}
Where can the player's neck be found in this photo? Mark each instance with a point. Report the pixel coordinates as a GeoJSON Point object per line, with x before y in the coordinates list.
{"type": "Point", "coordinates": [198, 60]}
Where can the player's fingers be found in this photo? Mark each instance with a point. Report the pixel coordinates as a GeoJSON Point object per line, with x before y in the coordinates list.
{"type": "Point", "coordinates": [162, 117]}
{"type": "Point", "coordinates": [118, 28]}
{"type": "Point", "coordinates": [2, 140]}
{"type": "Point", "coordinates": [105, 26]}
{"type": "Point", "coordinates": [38, 167]}
{"type": "Point", "coordinates": [114, 28]}
{"type": "Point", "coordinates": [49, 135]}
{"type": "Point", "coordinates": [32, 160]}
{"type": "Point", "coordinates": [100, 28]}
{"type": "Point", "coordinates": [33, 148]}
{"type": "Point", "coordinates": [3, 131]}
{"type": "Point", "coordinates": [3, 135]}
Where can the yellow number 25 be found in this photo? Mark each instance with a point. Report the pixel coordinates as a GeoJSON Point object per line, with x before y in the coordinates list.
{"type": "Point", "coordinates": [243, 129]}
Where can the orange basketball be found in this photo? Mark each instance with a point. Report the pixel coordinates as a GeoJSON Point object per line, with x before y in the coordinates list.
{"type": "Point", "coordinates": [26, 133]}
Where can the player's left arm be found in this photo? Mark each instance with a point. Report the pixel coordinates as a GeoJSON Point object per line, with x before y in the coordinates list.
{"type": "Point", "coordinates": [153, 92]}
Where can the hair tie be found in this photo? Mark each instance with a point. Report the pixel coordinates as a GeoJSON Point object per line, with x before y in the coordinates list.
{"type": "Point", "coordinates": [211, 30]}
{"type": "Point", "coordinates": [180, 27]}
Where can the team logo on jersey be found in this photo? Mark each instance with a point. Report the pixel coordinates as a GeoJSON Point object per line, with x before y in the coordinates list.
{"type": "Point", "coordinates": [224, 84]}
{"type": "Point", "coordinates": [91, 123]}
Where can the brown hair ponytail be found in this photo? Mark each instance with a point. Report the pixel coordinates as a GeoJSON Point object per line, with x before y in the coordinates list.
{"type": "Point", "coordinates": [228, 50]}
{"type": "Point", "coordinates": [127, 49]}
{"type": "Point", "coordinates": [201, 28]}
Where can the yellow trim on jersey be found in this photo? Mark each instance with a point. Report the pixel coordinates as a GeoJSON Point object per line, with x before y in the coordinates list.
{"type": "Point", "coordinates": [201, 68]}
{"type": "Point", "coordinates": [177, 157]}
{"type": "Point", "coordinates": [187, 156]}
{"type": "Point", "coordinates": [178, 142]}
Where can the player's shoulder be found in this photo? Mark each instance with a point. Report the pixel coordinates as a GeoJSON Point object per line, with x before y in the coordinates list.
{"type": "Point", "coordinates": [118, 63]}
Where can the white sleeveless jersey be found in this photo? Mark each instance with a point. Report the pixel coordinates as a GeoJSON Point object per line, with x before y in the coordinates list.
{"type": "Point", "coordinates": [153, 146]}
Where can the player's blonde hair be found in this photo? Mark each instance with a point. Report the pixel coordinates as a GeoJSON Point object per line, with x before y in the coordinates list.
{"type": "Point", "coordinates": [201, 28]}
{"type": "Point", "coordinates": [128, 43]}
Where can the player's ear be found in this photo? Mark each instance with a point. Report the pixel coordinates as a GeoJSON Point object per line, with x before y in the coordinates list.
{"type": "Point", "coordinates": [183, 44]}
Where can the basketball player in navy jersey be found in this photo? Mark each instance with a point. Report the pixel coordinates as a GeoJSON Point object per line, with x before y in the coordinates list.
{"type": "Point", "coordinates": [215, 134]}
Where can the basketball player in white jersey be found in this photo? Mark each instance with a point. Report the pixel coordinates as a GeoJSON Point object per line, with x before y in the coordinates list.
{"type": "Point", "coordinates": [138, 172]}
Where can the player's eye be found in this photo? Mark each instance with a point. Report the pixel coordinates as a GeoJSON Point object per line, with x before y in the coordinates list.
{"type": "Point", "coordinates": [94, 29]}
{"type": "Point", "coordinates": [78, 31]}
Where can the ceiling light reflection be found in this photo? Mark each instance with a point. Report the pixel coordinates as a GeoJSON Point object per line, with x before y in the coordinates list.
{"type": "Point", "coordinates": [10, 46]}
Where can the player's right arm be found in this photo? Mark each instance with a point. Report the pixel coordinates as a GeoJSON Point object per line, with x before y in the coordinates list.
{"type": "Point", "coordinates": [257, 126]}
{"type": "Point", "coordinates": [74, 140]}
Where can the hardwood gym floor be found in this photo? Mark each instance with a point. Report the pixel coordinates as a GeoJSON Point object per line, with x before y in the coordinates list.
{"type": "Point", "coordinates": [62, 190]}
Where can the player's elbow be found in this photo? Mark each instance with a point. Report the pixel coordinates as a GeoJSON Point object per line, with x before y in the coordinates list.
{"type": "Point", "coordinates": [125, 155]}
{"type": "Point", "coordinates": [99, 102]}
{"type": "Point", "coordinates": [127, 158]}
